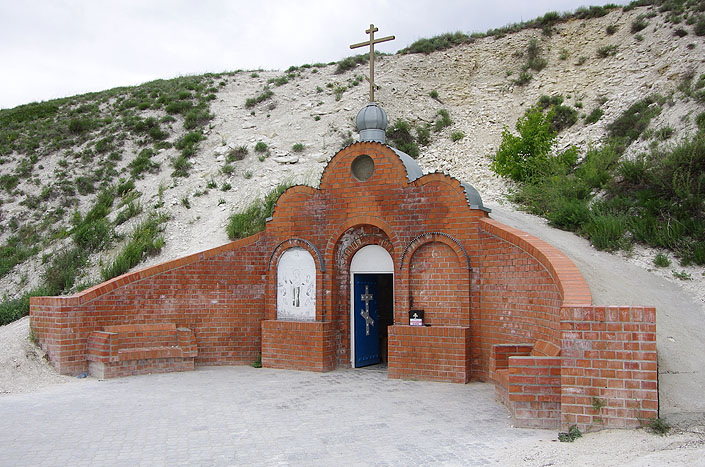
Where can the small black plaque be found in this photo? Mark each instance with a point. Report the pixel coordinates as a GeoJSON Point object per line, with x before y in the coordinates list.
{"type": "Point", "coordinates": [415, 317]}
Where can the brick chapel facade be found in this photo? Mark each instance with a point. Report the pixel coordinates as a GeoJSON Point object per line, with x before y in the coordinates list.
{"type": "Point", "coordinates": [335, 277]}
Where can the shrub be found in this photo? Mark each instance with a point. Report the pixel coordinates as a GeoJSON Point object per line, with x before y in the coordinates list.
{"type": "Point", "coordinates": [594, 116]}
{"type": "Point", "coordinates": [607, 51]}
{"type": "Point", "coordinates": [298, 147]}
{"type": "Point", "coordinates": [606, 231]}
{"type": "Point", "coordinates": [423, 134]}
{"type": "Point", "coordinates": [639, 24]}
{"type": "Point", "coordinates": [442, 120]}
{"type": "Point", "coordinates": [181, 166]}
{"type": "Point", "coordinates": [400, 136]}
{"type": "Point", "coordinates": [457, 136]}
{"type": "Point", "coordinates": [680, 32]}
{"type": "Point", "coordinates": [351, 62]}
{"type": "Point", "coordinates": [563, 117]}
{"type": "Point", "coordinates": [523, 157]}
{"type": "Point", "coordinates": [611, 29]}
{"type": "Point", "coordinates": [523, 78]}
{"type": "Point", "coordinates": [633, 121]}
{"type": "Point", "coordinates": [661, 261]}
{"type": "Point", "coordinates": [14, 309]}
{"type": "Point", "coordinates": [196, 118]}
{"type": "Point", "coordinates": [261, 147]}
{"type": "Point", "coordinates": [433, 94]}
{"type": "Point", "coordinates": [700, 121]}
{"type": "Point", "coordinates": [143, 163]}
{"type": "Point", "coordinates": [65, 266]}
{"type": "Point", "coordinates": [534, 61]}
{"type": "Point", "coordinates": [699, 28]}
{"type": "Point", "coordinates": [237, 154]}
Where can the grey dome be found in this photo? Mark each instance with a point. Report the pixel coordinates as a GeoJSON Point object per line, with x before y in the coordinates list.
{"type": "Point", "coordinates": [371, 123]}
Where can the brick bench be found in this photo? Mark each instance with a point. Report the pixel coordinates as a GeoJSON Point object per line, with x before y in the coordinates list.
{"type": "Point", "coordinates": [134, 349]}
{"type": "Point", "coordinates": [527, 380]}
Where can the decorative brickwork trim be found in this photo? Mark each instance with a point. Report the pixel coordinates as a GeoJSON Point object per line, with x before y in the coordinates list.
{"type": "Point", "coordinates": [434, 237]}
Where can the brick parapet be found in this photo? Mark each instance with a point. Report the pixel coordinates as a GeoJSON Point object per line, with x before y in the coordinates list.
{"type": "Point", "coordinates": [434, 353]}
{"type": "Point", "coordinates": [298, 345]}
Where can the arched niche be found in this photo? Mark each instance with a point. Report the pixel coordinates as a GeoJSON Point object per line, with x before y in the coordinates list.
{"type": "Point", "coordinates": [296, 286]}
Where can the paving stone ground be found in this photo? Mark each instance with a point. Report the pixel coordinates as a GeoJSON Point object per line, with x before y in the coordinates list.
{"type": "Point", "coordinates": [248, 416]}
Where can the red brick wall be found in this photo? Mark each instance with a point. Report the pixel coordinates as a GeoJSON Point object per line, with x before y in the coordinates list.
{"type": "Point", "coordinates": [440, 285]}
{"type": "Point", "coordinates": [609, 354]}
{"type": "Point", "coordinates": [298, 345]}
{"type": "Point", "coordinates": [218, 294]}
{"type": "Point", "coordinates": [433, 353]}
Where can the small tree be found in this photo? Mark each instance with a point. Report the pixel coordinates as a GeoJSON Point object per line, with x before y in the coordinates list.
{"type": "Point", "coordinates": [523, 157]}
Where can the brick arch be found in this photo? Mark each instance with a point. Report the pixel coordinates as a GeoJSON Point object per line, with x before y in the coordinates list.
{"type": "Point", "coordinates": [271, 276]}
{"type": "Point", "coordinates": [428, 237]}
{"type": "Point", "coordinates": [364, 241]}
{"type": "Point", "coordinates": [438, 282]}
{"type": "Point", "coordinates": [359, 220]}
{"type": "Point", "coordinates": [299, 242]}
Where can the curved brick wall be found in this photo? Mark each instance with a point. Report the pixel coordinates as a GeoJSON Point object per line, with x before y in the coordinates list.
{"type": "Point", "coordinates": [522, 283]}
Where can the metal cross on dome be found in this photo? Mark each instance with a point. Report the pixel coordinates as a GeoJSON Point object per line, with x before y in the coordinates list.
{"type": "Point", "coordinates": [372, 43]}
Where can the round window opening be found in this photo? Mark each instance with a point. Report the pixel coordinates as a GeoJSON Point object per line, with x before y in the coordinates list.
{"type": "Point", "coordinates": [362, 168]}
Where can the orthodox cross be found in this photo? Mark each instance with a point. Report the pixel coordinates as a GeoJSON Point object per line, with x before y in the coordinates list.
{"type": "Point", "coordinates": [367, 297]}
{"type": "Point", "coordinates": [372, 43]}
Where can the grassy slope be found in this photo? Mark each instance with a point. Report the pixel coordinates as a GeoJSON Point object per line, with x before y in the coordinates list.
{"type": "Point", "coordinates": [71, 152]}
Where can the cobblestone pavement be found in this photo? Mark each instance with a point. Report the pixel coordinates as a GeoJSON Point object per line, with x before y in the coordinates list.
{"type": "Point", "coordinates": [247, 416]}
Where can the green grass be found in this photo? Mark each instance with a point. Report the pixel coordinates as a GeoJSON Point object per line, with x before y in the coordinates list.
{"type": "Point", "coordinates": [261, 147]}
{"type": "Point", "coordinates": [607, 51]}
{"type": "Point", "coordinates": [443, 120]}
{"type": "Point", "coordinates": [457, 136]}
{"type": "Point", "coordinates": [252, 219]}
{"type": "Point", "coordinates": [436, 43]}
{"type": "Point", "coordinates": [263, 96]}
{"type": "Point", "coordinates": [143, 163]}
{"type": "Point", "coordinates": [237, 154]}
{"type": "Point", "coordinates": [145, 240]}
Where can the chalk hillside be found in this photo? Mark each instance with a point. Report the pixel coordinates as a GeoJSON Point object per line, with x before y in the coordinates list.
{"type": "Point", "coordinates": [187, 153]}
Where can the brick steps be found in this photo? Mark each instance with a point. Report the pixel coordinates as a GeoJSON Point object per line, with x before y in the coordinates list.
{"type": "Point", "coordinates": [125, 350]}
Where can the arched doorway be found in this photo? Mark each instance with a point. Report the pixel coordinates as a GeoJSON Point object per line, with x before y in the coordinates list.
{"type": "Point", "coordinates": [372, 305]}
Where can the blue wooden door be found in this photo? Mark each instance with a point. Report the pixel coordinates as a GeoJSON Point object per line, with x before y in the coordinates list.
{"type": "Point", "coordinates": [366, 320]}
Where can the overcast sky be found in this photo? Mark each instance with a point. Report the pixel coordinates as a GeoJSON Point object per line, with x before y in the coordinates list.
{"type": "Point", "coordinates": [58, 48]}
